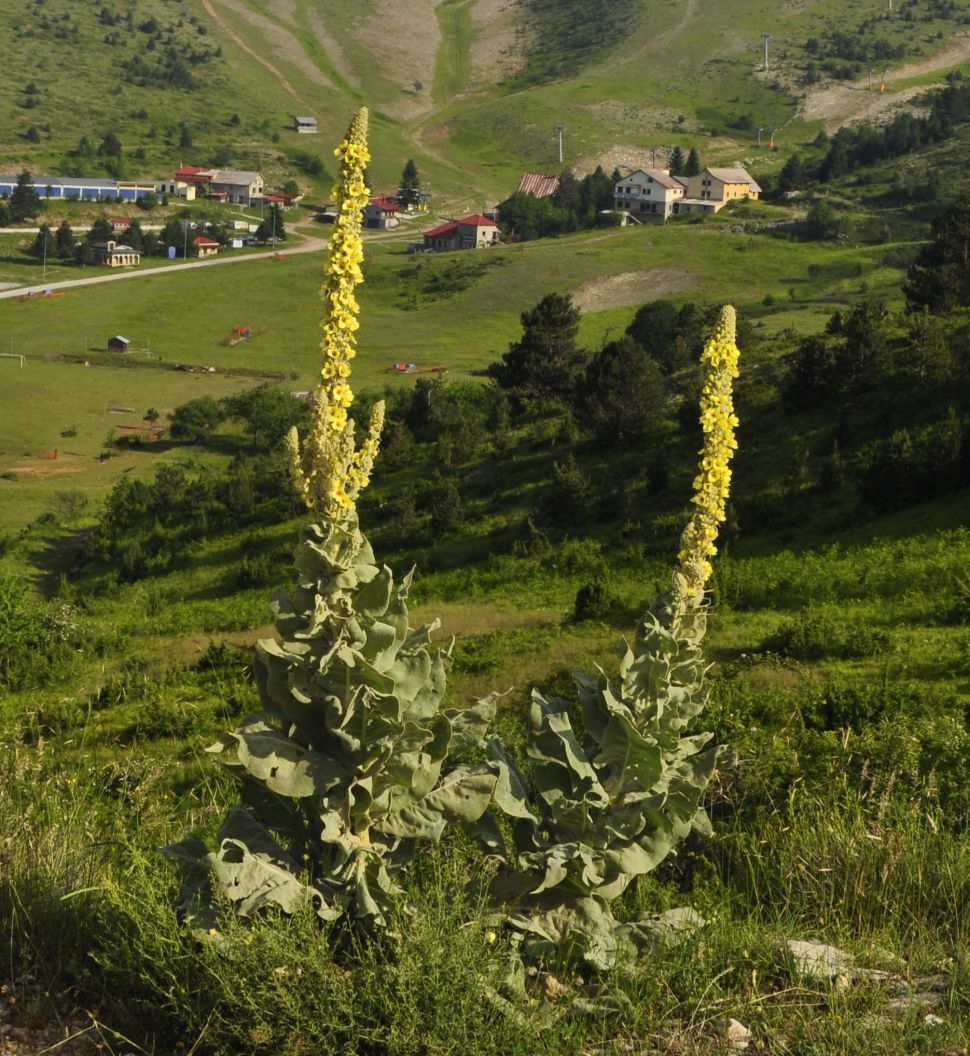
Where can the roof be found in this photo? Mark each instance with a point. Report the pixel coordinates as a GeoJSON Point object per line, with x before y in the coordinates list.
{"type": "Point", "coordinates": [204, 240]}
{"type": "Point", "coordinates": [234, 176]}
{"type": "Point", "coordinates": [383, 201]}
{"type": "Point", "coordinates": [661, 176]}
{"type": "Point", "coordinates": [305, 120]}
{"type": "Point", "coordinates": [735, 175]}
{"type": "Point", "coordinates": [538, 184]}
{"type": "Point", "coordinates": [118, 337]}
{"type": "Point", "coordinates": [188, 171]}
{"type": "Point", "coordinates": [63, 181]}
{"type": "Point", "coordinates": [478, 219]}
{"type": "Point", "coordinates": [665, 179]}
{"type": "Point", "coordinates": [450, 228]}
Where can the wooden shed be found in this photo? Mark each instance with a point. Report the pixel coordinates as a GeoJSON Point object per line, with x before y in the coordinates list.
{"type": "Point", "coordinates": [118, 343]}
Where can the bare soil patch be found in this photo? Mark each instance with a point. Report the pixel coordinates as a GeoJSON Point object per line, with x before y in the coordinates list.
{"type": "Point", "coordinates": [849, 103]}
{"type": "Point", "coordinates": [52, 470]}
{"type": "Point", "coordinates": [631, 287]}
{"type": "Point", "coordinates": [496, 49]}
{"type": "Point", "coordinates": [280, 41]}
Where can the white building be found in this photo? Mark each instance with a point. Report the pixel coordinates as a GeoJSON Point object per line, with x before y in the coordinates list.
{"type": "Point", "coordinates": [649, 194]}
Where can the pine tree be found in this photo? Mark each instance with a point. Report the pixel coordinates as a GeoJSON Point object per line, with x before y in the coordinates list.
{"type": "Point", "coordinates": [676, 162]}
{"type": "Point", "coordinates": [24, 200]}
{"type": "Point", "coordinates": [545, 360]}
{"type": "Point", "coordinates": [409, 193]}
{"type": "Point", "coordinates": [64, 241]}
{"type": "Point", "coordinates": [44, 244]}
{"type": "Point", "coordinates": [693, 166]}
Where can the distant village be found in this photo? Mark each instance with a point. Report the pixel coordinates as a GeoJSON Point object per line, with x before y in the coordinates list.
{"type": "Point", "coordinates": [648, 195]}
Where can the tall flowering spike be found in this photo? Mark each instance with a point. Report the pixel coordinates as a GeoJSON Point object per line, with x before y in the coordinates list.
{"type": "Point", "coordinates": [329, 473]}
{"type": "Point", "coordinates": [713, 482]}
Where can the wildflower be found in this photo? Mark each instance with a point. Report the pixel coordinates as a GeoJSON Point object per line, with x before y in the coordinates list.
{"type": "Point", "coordinates": [330, 472]}
{"type": "Point", "coordinates": [713, 484]}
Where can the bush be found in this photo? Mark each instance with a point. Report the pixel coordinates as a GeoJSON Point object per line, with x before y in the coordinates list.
{"type": "Point", "coordinates": [815, 635]}
{"type": "Point", "coordinates": [595, 601]}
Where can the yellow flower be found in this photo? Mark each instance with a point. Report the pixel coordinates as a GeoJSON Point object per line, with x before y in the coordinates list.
{"type": "Point", "coordinates": [712, 484]}
{"type": "Point", "coordinates": [329, 473]}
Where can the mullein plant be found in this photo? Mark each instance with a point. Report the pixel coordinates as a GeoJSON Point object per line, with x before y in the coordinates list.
{"type": "Point", "coordinates": [349, 766]}
{"type": "Point", "coordinates": [600, 809]}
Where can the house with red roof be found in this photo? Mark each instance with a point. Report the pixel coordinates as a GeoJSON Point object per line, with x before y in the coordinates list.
{"type": "Point", "coordinates": [471, 232]}
{"type": "Point", "coordinates": [382, 211]}
{"type": "Point", "coordinates": [207, 247]}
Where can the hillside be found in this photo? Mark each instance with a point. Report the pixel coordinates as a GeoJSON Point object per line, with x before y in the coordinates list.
{"type": "Point", "coordinates": [473, 90]}
{"type": "Point", "coordinates": [757, 842]}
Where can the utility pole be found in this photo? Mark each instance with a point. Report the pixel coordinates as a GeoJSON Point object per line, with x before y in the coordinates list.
{"type": "Point", "coordinates": [766, 37]}
{"type": "Point", "coordinates": [559, 131]}
{"type": "Point", "coordinates": [46, 235]}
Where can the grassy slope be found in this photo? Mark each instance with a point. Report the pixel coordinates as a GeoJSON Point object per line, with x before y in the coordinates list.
{"type": "Point", "coordinates": [650, 89]}
{"type": "Point", "coordinates": [460, 311]}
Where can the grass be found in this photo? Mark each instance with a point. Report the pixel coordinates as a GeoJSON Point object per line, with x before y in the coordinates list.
{"type": "Point", "coordinates": [457, 310]}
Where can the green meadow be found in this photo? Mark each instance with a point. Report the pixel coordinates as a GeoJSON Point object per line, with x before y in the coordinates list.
{"type": "Point", "coordinates": [457, 312]}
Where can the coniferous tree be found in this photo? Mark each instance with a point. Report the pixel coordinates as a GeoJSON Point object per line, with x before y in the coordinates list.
{"type": "Point", "coordinates": [133, 235]}
{"type": "Point", "coordinates": [409, 192]}
{"type": "Point", "coordinates": [24, 200]}
{"type": "Point", "coordinates": [110, 146]}
{"type": "Point", "coordinates": [793, 175]}
{"type": "Point", "coordinates": [544, 361]}
{"type": "Point", "coordinates": [693, 164]}
{"type": "Point", "coordinates": [101, 231]}
{"type": "Point", "coordinates": [64, 241]}
{"type": "Point", "coordinates": [44, 244]}
{"type": "Point", "coordinates": [622, 393]}
{"type": "Point", "coordinates": [676, 162]}
{"type": "Point", "coordinates": [939, 277]}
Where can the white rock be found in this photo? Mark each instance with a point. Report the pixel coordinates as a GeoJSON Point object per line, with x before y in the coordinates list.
{"type": "Point", "coordinates": [737, 1035]}
{"type": "Point", "coordinates": [932, 1020]}
{"type": "Point", "coordinates": [818, 961]}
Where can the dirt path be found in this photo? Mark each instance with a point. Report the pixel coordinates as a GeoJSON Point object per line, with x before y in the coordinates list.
{"type": "Point", "coordinates": [848, 103]}
{"type": "Point", "coordinates": [227, 28]}
{"type": "Point", "coordinates": [312, 245]}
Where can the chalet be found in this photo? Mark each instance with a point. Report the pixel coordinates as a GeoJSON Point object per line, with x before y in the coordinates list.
{"type": "Point", "coordinates": [240, 186]}
{"type": "Point", "coordinates": [305, 125]}
{"type": "Point", "coordinates": [649, 194]}
{"type": "Point", "coordinates": [538, 184]}
{"type": "Point", "coordinates": [207, 247]}
{"type": "Point", "coordinates": [471, 232]}
{"type": "Point", "coordinates": [118, 344]}
{"type": "Point", "coordinates": [442, 238]}
{"type": "Point", "coordinates": [237, 186]}
{"type": "Point", "coordinates": [477, 231]}
{"type": "Point", "coordinates": [119, 223]}
{"type": "Point", "coordinates": [712, 189]}
{"type": "Point", "coordinates": [115, 255]}
{"type": "Point", "coordinates": [382, 212]}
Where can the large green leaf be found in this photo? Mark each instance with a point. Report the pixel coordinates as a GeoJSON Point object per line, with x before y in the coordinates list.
{"type": "Point", "coordinates": [631, 759]}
